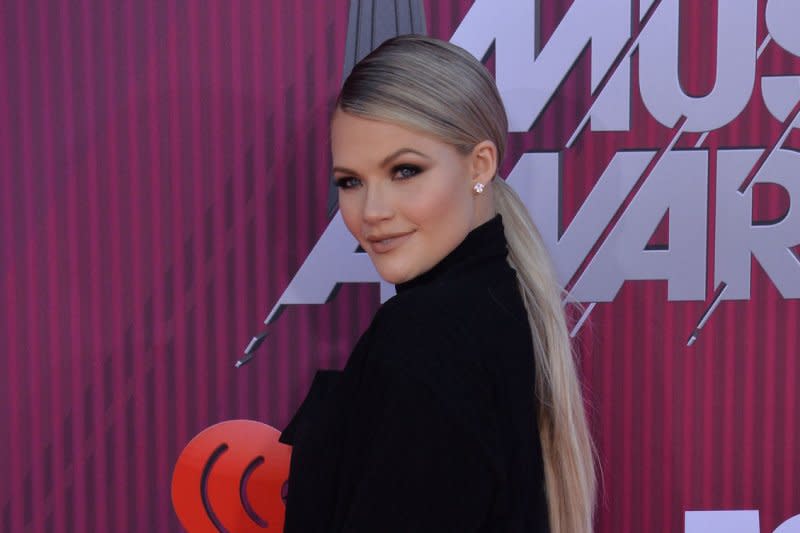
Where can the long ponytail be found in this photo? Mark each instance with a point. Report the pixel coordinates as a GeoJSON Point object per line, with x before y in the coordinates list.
{"type": "Point", "coordinates": [566, 443]}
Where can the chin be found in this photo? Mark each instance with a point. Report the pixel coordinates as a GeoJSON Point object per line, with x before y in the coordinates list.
{"type": "Point", "coordinates": [393, 278]}
{"type": "Point", "coordinates": [394, 273]}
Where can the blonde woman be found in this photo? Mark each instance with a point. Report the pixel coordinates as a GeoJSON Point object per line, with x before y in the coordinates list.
{"type": "Point", "coordinates": [460, 407]}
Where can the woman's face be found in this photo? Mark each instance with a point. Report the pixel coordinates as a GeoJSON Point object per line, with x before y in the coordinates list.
{"type": "Point", "coordinates": [405, 196]}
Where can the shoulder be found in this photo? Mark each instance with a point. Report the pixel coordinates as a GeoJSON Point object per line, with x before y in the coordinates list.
{"type": "Point", "coordinates": [434, 340]}
{"type": "Point", "coordinates": [420, 375]}
{"type": "Point", "coordinates": [424, 324]}
{"type": "Point", "coordinates": [461, 318]}
{"type": "Point", "coordinates": [465, 299]}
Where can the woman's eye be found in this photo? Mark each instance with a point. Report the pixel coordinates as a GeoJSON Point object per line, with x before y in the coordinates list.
{"type": "Point", "coordinates": [400, 172]}
{"type": "Point", "coordinates": [406, 171]}
{"type": "Point", "coordinates": [347, 182]}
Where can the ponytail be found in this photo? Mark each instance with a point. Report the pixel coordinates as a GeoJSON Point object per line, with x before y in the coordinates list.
{"type": "Point", "coordinates": [566, 443]}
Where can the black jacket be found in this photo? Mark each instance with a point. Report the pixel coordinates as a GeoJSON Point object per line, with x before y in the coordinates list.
{"type": "Point", "coordinates": [431, 426]}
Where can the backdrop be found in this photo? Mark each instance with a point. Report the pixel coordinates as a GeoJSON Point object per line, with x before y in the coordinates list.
{"type": "Point", "coordinates": [164, 187]}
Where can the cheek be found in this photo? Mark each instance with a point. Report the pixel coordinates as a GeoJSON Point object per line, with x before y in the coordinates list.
{"type": "Point", "coordinates": [442, 202]}
{"type": "Point", "coordinates": [350, 208]}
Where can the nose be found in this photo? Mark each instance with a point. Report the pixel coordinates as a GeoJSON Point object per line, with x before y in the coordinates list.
{"type": "Point", "coordinates": [377, 204]}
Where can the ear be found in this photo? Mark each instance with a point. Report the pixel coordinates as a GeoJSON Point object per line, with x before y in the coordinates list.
{"type": "Point", "coordinates": [483, 162]}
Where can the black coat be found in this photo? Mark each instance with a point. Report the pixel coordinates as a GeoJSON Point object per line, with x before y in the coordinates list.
{"type": "Point", "coordinates": [431, 426]}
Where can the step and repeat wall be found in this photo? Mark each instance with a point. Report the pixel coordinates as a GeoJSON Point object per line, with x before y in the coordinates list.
{"type": "Point", "coordinates": [165, 188]}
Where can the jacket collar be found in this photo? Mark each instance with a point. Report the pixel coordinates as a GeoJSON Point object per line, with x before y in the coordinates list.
{"type": "Point", "coordinates": [482, 245]}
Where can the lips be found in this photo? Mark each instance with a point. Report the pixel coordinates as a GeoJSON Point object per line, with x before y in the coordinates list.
{"type": "Point", "coordinates": [386, 243]}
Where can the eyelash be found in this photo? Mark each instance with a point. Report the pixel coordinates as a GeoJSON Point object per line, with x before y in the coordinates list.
{"type": "Point", "coordinates": [346, 181]}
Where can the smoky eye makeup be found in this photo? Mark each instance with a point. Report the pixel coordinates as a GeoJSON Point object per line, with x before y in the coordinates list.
{"type": "Point", "coordinates": [346, 182]}
{"type": "Point", "coordinates": [400, 172]}
{"type": "Point", "coordinates": [406, 171]}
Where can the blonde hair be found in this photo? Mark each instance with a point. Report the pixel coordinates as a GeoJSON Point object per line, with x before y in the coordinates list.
{"type": "Point", "coordinates": [436, 87]}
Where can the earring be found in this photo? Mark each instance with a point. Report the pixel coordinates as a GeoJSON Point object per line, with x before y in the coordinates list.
{"type": "Point", "coordinates": [478, 188]}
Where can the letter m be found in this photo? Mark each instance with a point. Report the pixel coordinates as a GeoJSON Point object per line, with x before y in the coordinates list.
{"type": "Point", "coordinates": [528, 76]}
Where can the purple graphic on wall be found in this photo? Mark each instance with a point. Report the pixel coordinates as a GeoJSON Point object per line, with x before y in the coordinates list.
{"type": "Point", "coordinates": [164, 178]}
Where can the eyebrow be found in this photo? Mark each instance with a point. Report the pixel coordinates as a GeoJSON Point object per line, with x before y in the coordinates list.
{"type": "Point", "coordinates": [388, 159]}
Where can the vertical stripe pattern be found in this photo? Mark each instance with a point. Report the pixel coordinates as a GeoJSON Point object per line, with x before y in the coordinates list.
{"type": "Point", "coordinates": [164, 171]}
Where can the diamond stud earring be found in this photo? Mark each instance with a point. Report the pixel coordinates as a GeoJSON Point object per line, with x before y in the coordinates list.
{"type": "Point", "coordinates": [478, 188]}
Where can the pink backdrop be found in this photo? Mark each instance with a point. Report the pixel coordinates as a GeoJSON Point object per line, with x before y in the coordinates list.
{"type": "Point", "coordinates": [163, 175]}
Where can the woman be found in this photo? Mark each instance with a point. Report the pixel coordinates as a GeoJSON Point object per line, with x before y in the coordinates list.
{"type": "Point", "coordinates": [459, 408]}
